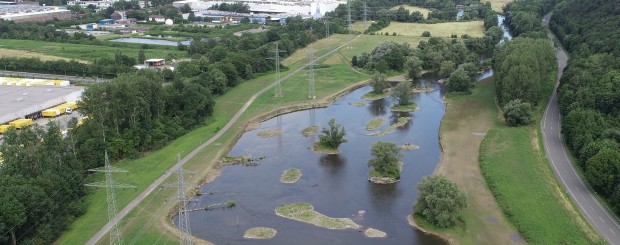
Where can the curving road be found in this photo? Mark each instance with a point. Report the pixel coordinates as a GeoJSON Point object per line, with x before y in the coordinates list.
{"type": "Point", "coordinates": [581, 194]}
{"type": "Point", "coordinates": [104, 230]}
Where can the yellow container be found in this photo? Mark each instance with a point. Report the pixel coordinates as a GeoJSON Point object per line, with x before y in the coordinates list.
{"type": "Point", "coordinates": [4, 128]}
{"type": "Point", "coordinates": [21, 123]}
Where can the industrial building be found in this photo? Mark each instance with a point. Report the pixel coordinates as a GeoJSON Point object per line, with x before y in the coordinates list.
{"type": "Point", "coordinates": [272, 7]}
{"type": "Point", "coordinates": [30, 13]}
{"type": "Point", "coordinates": [29, 101]}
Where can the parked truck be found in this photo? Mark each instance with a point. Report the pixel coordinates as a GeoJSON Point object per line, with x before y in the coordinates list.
{"type": "Point", "coordinates": [4, 128]}
{"type": "Point", "coordinates": [21, 123]}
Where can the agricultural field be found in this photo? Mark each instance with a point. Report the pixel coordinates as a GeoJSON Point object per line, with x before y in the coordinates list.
{"type": "Point", "coordinates": [497, 5]}
{"type": "Point", "coordinates": [81, 51]}
{"type": "Point", "coordinates": [412, 9]}
{"type": "Point", "coordinates": [11, 53]}
{"type": "Point", "coordinates": [471, 28]}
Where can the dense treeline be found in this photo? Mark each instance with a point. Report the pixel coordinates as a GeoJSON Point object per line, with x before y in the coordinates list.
{"type": "Point", "coordinates": [102, 67]}
{"type": "Point", "coordinates": [440, 10]}
{"type": "Point", "coordinates": [591, 24]}
{"type": "Point", "coordinates": [41, 186]}
{"type": "Point", "coordinates": [524, 17]}
{"type": "Point", "coordinates": [589, 92]}
{"type": "Point", "coordinates": [521, 67]}
{"type": "Point", "coordinates": [231, 7]}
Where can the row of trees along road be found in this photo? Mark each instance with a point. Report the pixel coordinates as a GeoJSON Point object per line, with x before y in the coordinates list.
{"type": "Point", "coordinates": [589, 92]}
{"type": "Point", "coordinates": [41, 181]}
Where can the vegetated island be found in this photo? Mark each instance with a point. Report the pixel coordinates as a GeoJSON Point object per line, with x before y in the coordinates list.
{"type": "Point", "coordinates": [269, 133]}
{"type": "Point", "coordinates": [372, 95]}
{"type": "Point", "coordinates": [304, 212]}
{"type": "Point", "coordinates": [374, 233]}
{"type": "Point", "coordinates": [309, 131]}
{"type": "Point", "coordinates": [408, 147]}
{"type": "Point", "coordinates": [290, 175]}
{"type": "Point", "coordinates": [359, 103]}
{"type": "Point", "coordinates": [330, 139]}
{"type": "Point", "coordinates": [399, 123]}
{"type": "Point", "coordinates": [374, 124]}
{"type": "Point", "coordinates": [260, 233]}
{"type": "Point", "coordinates": [385, 166]}
{"type": "Point", "coordinates": [404, 108]}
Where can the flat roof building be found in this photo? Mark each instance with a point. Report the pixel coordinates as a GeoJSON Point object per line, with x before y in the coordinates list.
{"type": "Point", "coordinates": [29, 13]}
{"type": "Point", "coordinates": [22, 102]}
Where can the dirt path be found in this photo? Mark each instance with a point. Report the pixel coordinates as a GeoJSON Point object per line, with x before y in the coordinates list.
{"type": "Point", "coordinates": [463, 127]}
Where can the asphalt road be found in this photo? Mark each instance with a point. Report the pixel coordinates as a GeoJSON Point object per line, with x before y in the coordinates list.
{"type": "Point", "coordinates": [104, 230]}
{"type": "Point", "coordinates": [581, 194]}
{"type": "Point", "coordinates": [50, 76]}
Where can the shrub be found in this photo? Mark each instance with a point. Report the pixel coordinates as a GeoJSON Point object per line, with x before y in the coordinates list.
{"type": "Point", "coordinates": [518, 113]}
{"type": "Point", "coordinates": [426, 34]}
{"type": "Point", "coordinates": [440, 201]}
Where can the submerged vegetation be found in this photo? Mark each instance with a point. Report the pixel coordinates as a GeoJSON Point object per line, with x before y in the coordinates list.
{"type": "Point", "coordinates": [269, 133]}
{"type": "Point", "coordinates": [310, 131]}
{"type": "Point", "coordinates": [290, 176]}
{"type": "Point", "coordinates": [402, 121]}
{"type": "Point", "coordinates": [260, 233]}
{"type": "Point", "coordinates": [374, 124]}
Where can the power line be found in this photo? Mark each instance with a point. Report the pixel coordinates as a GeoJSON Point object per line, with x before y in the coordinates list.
{"type": "Point", "coordinates": [349, 20]}
{"type": "Point", "coordinates": [365, 12]}
{"type": "Point", "coordinates": [110, 185]}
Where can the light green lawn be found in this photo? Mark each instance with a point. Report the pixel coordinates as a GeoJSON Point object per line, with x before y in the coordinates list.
{"type": "Point", "coordinates": [471, 28]}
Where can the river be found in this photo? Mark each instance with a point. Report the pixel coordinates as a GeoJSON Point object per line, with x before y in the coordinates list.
{"type": "Point", "coordinates": [336, 185]}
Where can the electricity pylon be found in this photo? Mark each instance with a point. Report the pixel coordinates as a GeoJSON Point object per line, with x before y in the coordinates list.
{"type": "Point", "coordinates": [110, 185]}
{"type": "Point", "coordinates": [311, 92]}
{"type": "Point", "coordinates": [278, 87]}
{"type": "Point", "coordinates": [365, 12]}
{"type": "Point", "coordinates": [185, 235]}
{"type": "Point", "coordinates": [349, 19]}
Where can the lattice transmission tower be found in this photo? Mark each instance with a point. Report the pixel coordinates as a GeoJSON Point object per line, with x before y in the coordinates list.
{"type": "Point", "coordinates": [278, 86]}
{"type": "Point", "coordinates": [311, 91]}
{"type": "Point", "coordinates": [349, 20]}
{"type": "Point", "coordinates": [185, 235]}
{"type": "Point", "coordinates": [111, 185]}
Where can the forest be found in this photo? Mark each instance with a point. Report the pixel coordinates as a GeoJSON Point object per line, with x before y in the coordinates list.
{"type": "Point", "coordinates": [589, 92]}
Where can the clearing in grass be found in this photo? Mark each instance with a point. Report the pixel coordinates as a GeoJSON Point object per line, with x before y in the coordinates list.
{"type": "Point", "coordinates": [471, 28]}
{"type": "Point", "coordinates": [11, 53]}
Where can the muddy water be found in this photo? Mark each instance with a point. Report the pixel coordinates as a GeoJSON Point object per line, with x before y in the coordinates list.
{"type": "Point", "coordinates": [336, 185]}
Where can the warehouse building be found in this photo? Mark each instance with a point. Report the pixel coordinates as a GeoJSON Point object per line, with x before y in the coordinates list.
{"type": "Point", "coordinates": [29, 101]}
{"type": "Point", "coordinates": [29, 13]}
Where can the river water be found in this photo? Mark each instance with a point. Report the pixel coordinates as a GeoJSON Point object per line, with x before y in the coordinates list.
{"type": "Point", "coordinates": [336, 185]}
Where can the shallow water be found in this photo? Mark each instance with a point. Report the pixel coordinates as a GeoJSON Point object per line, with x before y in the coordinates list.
{"type": "Point", "coordinates": [336, 185]}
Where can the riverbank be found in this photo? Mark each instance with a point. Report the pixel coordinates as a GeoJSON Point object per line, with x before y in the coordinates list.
{"type": "Point", "coordinates": [467, 119]}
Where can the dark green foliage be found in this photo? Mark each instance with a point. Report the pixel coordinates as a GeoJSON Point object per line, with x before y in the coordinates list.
{"type": "Point", "coordinates": [379, 83]}
{"type": "Point", "coordinates": [385, 161]}
{"type": "Point", "coordinates": [141, 56]}
{"type": "Point", "coordinates": [524, 16]}
{"type": "Point", "coordinates": [426, 34]}
{"type": "Point", "coordinates": [517, 113]}
{"type": "Point", "coordinates": [41, 185]}
{"type": "Point", "coordinates": [592, 24]}
{"type": "Point", "coordinates": [460, 81]}
{"type": "Point", "coordinates": [403, 92]}
{"type": "Point", "coordinates": [439, 201]}
{"type": "Point", "coordinates": [413, 66]}
{"type": "Point", "coordinates": [332, 136]}
{"type": "Point", "coordinates": [603, 171]}
{"type": "Point", "coordinates": [446, 68]}
{"type": "Point", "coordinates": [232, 7]}
{"type": "Point", "coordinates": [520, 68]}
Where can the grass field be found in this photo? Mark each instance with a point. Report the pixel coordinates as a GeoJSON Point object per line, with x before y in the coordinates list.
{"type": "Point", "coordinates": [81, 51]}
{"type": "Point", "coordinates": [11, 53]}
{"type": "Point", "coordinates": [412, 9]}
{"type": "Point", "coordinates": [497, 5]}
{"type": "Point", "coordinates": [367, 43]}
{"type": "Point", "coordinates": [149, 223]}
{"type": "Point", "coordinates": [471, 28]}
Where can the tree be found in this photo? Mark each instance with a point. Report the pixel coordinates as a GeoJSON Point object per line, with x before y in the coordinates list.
{"type": "Point", "coordinates": [332, 136]}
{"type": "Point", "coordinates": [379, 83]}
{"type": "Point", "coordinates": [440, 201]}
{"type": "Point", "coordinates": [517, 113]}
{"type": "Point", "coordinates": [403, 92]}
{"type": "Point", "coordinates": [413, 65]}
{"type": "Point", "coordinates": [460, 81]}
{"type": "Point", "coordinates": [602, 171]}
{"type": "Point", "coordinates": [386, 158]}
{"type": "Point", "coordinates": [141, 56]}
{"type": "Point", "coordinates": [446, 68]}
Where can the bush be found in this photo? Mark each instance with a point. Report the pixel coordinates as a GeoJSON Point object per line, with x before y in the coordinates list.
{"type": "Point", "coordinates": [517, 113]}
{"type": "Point", "coordinates": [333, 136]}
{"type": "Point", "coordinates": [426, 34]}
{"type": "Point", "coordinates": [403, 92]}
{"type": "Point", "coordinates": [440, 201]}
{"type": "Point", "coordinates": [379, 83]}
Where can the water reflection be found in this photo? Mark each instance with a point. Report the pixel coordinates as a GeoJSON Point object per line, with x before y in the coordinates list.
{"type": "Point", "coordinates": [377, 107]}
